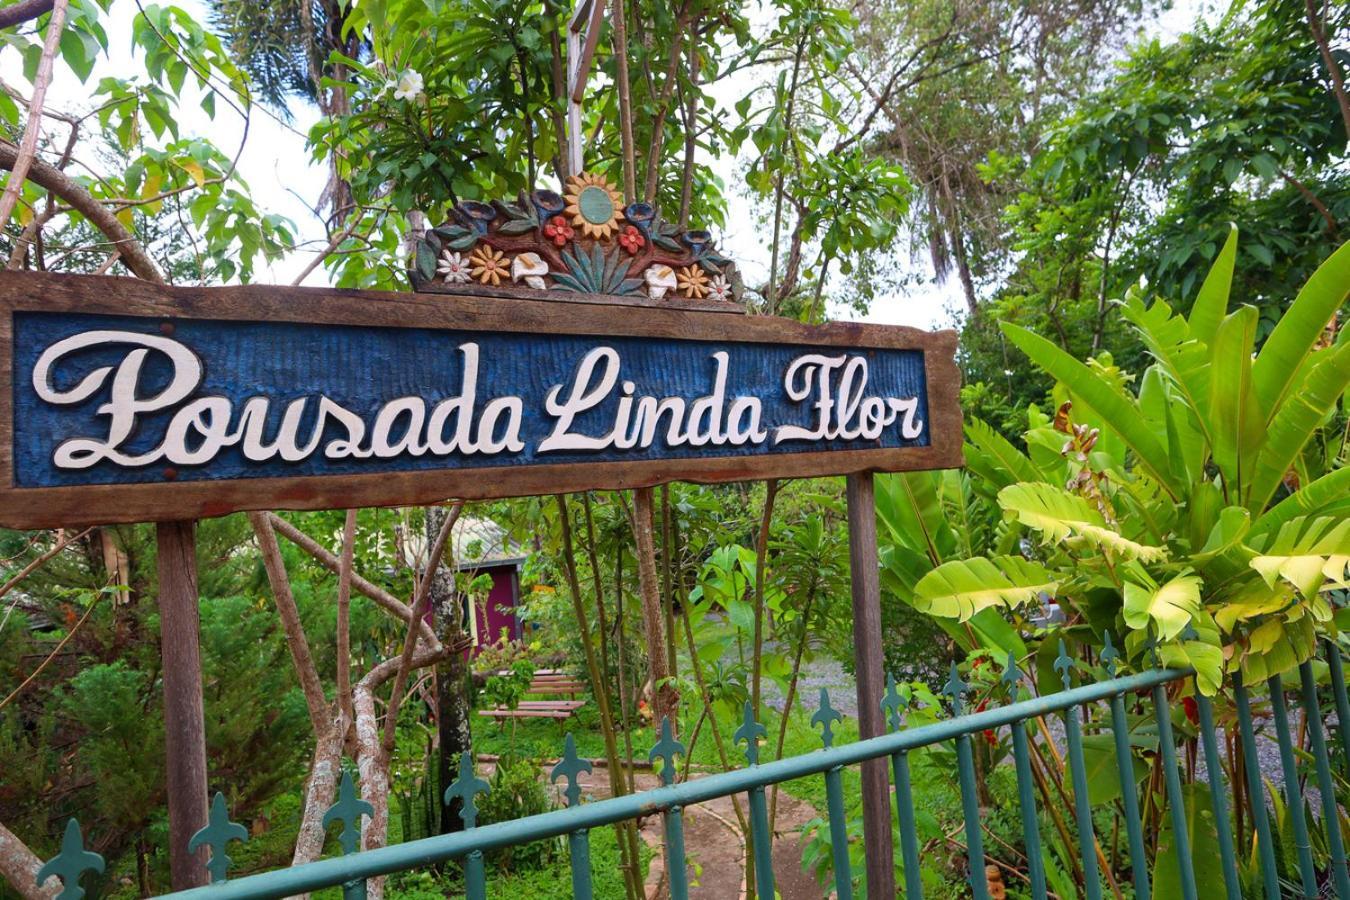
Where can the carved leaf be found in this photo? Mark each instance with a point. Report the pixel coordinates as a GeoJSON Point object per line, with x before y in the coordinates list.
{"type": "Point", "coordinates": [517, 226]}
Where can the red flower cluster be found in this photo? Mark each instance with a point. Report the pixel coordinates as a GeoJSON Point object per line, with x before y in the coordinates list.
{"type": "Point", "coordinates": [632, 239]}
{"type": "Point", "coordinates": [559, 230]}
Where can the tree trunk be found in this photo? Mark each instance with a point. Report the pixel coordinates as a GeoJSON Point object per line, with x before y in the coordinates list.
{"type": "Point", "coordinates": [665, 700]}
{"type": "Point", "coordinates": [323, 779]}
{"type": "Point", "coordinates": [453, 715]}
{"type": "Point", "coordinates": [372, 765]}
{"type": "Point", "coordinates": [19, 866]}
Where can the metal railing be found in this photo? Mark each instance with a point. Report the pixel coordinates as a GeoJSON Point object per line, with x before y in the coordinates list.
{"type": "Point", "coordinates": [575, 821]}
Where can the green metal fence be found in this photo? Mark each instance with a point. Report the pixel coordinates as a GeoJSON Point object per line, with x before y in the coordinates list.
{"type": "Point", "coordinates": [575, 821]}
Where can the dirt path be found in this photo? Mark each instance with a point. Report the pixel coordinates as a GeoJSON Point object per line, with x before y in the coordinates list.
{"type": "Point", "coordinates": [714, 846]}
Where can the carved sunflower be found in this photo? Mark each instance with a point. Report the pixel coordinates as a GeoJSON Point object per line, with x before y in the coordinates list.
{"type": "Point", "coordinates": [692, 282]}
{"type": "Point", "coordinates": [488, 265]}
{"type": "Point", "coordinates": [594, 205]}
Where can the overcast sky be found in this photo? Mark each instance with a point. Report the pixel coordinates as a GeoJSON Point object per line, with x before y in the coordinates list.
{"type": "Point", "coordinates": [277, 167]}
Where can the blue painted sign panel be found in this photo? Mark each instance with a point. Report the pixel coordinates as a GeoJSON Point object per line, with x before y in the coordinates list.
{"type": "Point", "coordinates": [400, 402]}
{"type": "Point", "coordinates": [110, 400]}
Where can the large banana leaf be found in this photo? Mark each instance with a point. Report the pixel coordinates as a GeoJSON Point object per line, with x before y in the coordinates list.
{"type": "Point", "coordinates": [995, 457]}
{"type": "Point", "coordinates": [1060, 515]}
{"type": "Point", "coordinates": [1314, 498]}
{"type": "Point", "coordinates": [1299, 328]}
{"type": "Point", "coordinates": [962, 588]}
{"type": "Point", "coordinates": [1303, 411]}
{"type": "Point", "coordinates": [1237, 427]}
{"type": "Point", "coordinates": [910, 512]}
{"type": "Point", "coordinates": [1183, 359]}
{"type": "Point", "coordinates": [1310, 554]}
{"type": "Point", "coordinates": [1171, 606]}
{"type": "Point", "coordinates": [1119, 411]}
{"type": "Point", "coordinates": [1211, 304]}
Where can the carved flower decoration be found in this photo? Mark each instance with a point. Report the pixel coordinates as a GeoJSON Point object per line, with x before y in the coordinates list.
{"type": "Point", "coordinates": [660, 279]}
{"type": "Point", "coordinates": [453, 267]}
{"type": "Point", "coordinates": [692, 282]}
{"type": "Point", "coordinates": [594, 205]}
{"type": "Point", "coordinates": [632, 239]}
{"type": "Point", "coordinates": [559, 231]}
{"type": "Point", "coordinates": [488, 265]}
{"type": "Point", "coordinates": [530, 268]}
{"type": "Point", "coordinates": [719, 288]}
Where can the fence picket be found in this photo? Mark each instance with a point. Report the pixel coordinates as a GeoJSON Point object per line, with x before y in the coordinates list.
{"type": "Point", "coordinates": [1073, 738]}
{"type": "Point", "coordinates": [761, 840]}
{"type": "Point", "coordinates": [1327, 787]}
{"type": "Point", "coordinates": [891, 706]}
{"type": "Point", "coordinates": [1129, 793]}
{"type": "Point", "coordinates": [1293, 788]}
{"type": "Point", "coordinates": [1209, 741]}
{"type": "Point", "coordinates": [1256, 790]}
{"type": "Point", "coordinates": [1333, 653]}
{"type": "Point", "coordinates": [672, 819]}
{"type": "Point", "coordinates": [1181, 837]}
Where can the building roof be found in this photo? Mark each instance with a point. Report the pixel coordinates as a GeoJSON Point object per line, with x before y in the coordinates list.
{"type": "Point", "coordinates": [478, 543]}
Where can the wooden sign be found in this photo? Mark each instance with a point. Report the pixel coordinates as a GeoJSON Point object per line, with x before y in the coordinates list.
{"type": "Point", "coordinates": [123, 401]}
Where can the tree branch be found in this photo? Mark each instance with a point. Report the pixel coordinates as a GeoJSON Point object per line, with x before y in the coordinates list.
{"type": "Point", "coordinates": [391, 604]}
{"type": "Point", "coordinates": [24, 11]}
{"type": "Point", "coordinates": [82, 202]}
{"type": "Point", "coordinates": [20, 865]}
{"type": "Point", "coordinates": [419, 610]}
{"type": "Point", "coordinates": [320, 714]}
{"type": "Point", "coordinates": [33, 129]}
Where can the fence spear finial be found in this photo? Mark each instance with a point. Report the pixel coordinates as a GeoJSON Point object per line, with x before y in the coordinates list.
{"type": "Point", "coordinates": [750, 732]}
{"type": "Point", "coordinates": [348, 810]}
{"type": "Point", "coordinates": [218, 832]}
{"type": "Point", "coordinates": [825, 717]}
{"type": "Point", "coordinates": [466, 787]}
{"type": "Point", "coordinates": [666, 750]}
{"type": "Point", "coordinates": [72, 862]}
{"type": "Point", "coordinates": [570, 767]}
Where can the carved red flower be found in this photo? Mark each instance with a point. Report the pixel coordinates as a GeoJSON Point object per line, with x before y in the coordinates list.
{"type": "Point", "coordinates": [559, 230]}
{"type": "Point", "coordinates": [632, 239]}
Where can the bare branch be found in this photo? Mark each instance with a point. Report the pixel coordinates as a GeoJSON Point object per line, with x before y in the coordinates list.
{"type": "Point", "coordinates": [434, 554]}
{"type": "Point", "coordinates": [391, 604]}
{"type": "Point", "coordinates": [82, 202]}
{"type": "Point", "coordinates": [24, 11]}
{"type": "Point", "coordinates": [319, 710]}
{"type": "Point", "coordinates": [20, 866]}
{"type": "Point", "coordinates": [344, 596]}
{"type": "Point", "coordinates": [33, 129]}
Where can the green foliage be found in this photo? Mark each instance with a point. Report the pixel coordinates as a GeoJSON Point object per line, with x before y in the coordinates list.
{"type": "Point", "coordinates": [517, 790]}
{"type": "Point", "coordinates": [1234, 121]}
{"type": "Point", "coordinates": [1166, 529]}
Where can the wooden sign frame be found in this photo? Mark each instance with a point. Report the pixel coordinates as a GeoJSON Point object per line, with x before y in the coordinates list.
{"type": "Point", "coordinates": [170, 499]}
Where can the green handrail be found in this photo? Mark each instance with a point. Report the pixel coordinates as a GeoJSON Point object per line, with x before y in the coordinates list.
{"type": "Point", "coordinates": [570, 821]}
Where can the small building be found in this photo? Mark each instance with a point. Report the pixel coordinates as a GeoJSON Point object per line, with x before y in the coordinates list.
{"type": "Point", "coordinates": [482, 547]}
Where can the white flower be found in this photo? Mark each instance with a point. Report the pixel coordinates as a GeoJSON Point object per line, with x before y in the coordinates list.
{"type": "Point", "coordinates": [531, 268]}
{"type": "Point", "coordinates": [454, 267]}
{"type": "Point", "coordinates": [660, 279]}
{"type": "Point", "coordinates": [409, 85]}
{"type": "Point", "coordinates": [719, 288]}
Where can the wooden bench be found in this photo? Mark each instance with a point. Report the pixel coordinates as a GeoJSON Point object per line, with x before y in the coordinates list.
{"type": "Point", "coordinates": [536, 709]}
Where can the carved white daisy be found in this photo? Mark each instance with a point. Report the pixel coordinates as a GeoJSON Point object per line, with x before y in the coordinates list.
{"type": "Point", "coordinates": [719, 288]}
{"type": "Point", "coordinates": [454, 267]}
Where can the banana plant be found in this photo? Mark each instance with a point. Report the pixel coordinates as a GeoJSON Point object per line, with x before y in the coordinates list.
{"type": "Point", "coordinates": [1201, 509]}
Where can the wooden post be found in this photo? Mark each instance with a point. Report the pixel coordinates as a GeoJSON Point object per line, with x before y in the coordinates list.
{"type": "Point", "coordinates": [184, 726]}
{"type": "Point", "coordinates": [870, 673]}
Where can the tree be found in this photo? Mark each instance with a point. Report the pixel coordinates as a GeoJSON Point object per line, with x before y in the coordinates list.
{"type": "Point", "coordinates": [1233, 122]}
{"type": "Point", "coordinates": [948, 85]}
